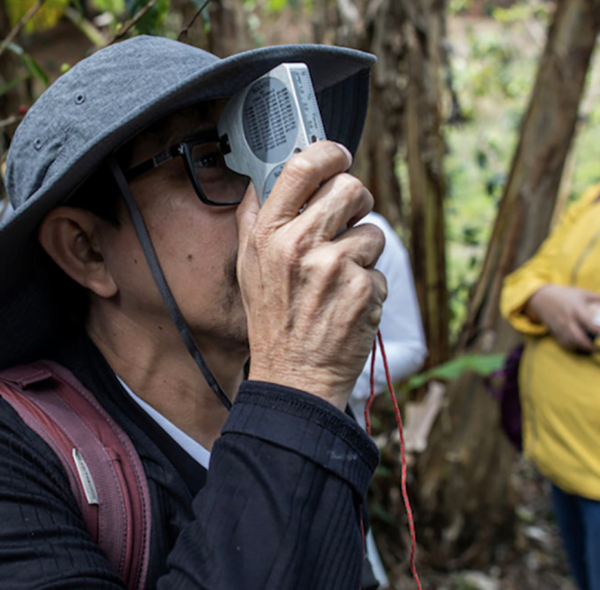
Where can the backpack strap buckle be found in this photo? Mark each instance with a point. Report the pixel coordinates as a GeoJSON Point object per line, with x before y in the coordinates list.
{"type": "Point", "coordinates": [24, 376]}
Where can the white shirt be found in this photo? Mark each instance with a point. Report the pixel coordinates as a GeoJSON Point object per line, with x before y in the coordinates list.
{"type": "Point", "coordinates": [192, 447]}
{"type": "Point", "coordinates": [401, 327]}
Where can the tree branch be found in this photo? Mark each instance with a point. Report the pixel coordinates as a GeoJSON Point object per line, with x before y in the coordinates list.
{"type": "Point", "coordinates": [19, 26]}
{"type": "Point", "coordinates": [129, 24]}
{"type": "Point", "coordinates": [183, 33]}
{"type": "Point", "coordinates": [10, 121]}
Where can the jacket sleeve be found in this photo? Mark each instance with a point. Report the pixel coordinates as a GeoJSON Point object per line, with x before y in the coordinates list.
{"type": "Point", "coordinates": [540, 270]}
{"type": "Point", "coordinates": [281, 508]}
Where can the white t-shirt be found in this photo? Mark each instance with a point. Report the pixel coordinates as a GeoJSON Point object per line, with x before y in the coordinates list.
{"type": "Point", "coordinates": [401, 327]}
{"type": "Point", "coordinates": [192, 447]}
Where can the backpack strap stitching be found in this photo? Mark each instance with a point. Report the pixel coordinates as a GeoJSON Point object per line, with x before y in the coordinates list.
{"type": "Point", "coordinates": [49, 401]}
{"type": "Point", "coordinates": [132, 457]}
{"type": "Point", "coordinates": [34, 420]}
{"type": "Point", "coordinates": [46, 409]}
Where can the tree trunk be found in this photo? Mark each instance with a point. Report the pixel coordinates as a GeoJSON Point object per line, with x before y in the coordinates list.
{"type": "Point", "coordinates": [373, 25]}
{"type": "Point", "coordinates": [425, 148]}
{"type": "Point", "coordinates": [228, 29]}
{"type": "Point", "coordinates": [464, 495]}
{"type": "Point", "coordinates": [404, 121]}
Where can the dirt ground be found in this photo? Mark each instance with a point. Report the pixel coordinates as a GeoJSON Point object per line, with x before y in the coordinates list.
{"type": "Point", "coordinates": [536, 561]}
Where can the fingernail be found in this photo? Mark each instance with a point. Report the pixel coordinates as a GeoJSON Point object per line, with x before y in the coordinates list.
{"type": "Point", "coordinates": [596, 319]}
{"type": "Point", "coordinates": [347, 152]}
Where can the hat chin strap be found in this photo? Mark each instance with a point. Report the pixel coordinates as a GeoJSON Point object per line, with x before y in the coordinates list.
{"type": "Point", "coordinates": [161, 283]}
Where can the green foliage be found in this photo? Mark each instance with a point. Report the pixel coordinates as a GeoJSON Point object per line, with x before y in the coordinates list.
{"type": "Point", "coordinates": [30, 64]}
{"type": "Point", "coordinates": [494, 64]}
{"type": "Point", "coordinates": [459, 5]}
{"type": "Point", "coordinates": [521, 12]}
{"type": "Point", "coordinates": [462, 584]}
{"type": "Point", "coordinates": [10, 85]}
{"type": "Point", "coordinates": [378, 512]}
{"type": "Point", "coordinates": [482, 364]}
{"type": "Point", "coordinates": [150, 23]}
{"type": "Point", "coordinates": [46, 17]}
{"type": "Point", "coordinates": [115, 7]}
{"type": "Point", "coordinates": [276, 5]}
{"type": "Point", "coordinates": [587, 149]}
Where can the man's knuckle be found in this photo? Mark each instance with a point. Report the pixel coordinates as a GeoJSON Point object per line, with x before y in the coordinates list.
{"type": "Point", "coordinates": [328, 263]}
{"type": "Point", "coordinates": [301, 168]}
{"type": "Point", "coordinates": [382, 287]}
{"type": "Point", "coordinates": [362, 286]}
{"type": "Point", "coordinates": [351, 185]}
{"type": "Point", "coordinates": [288, 252]}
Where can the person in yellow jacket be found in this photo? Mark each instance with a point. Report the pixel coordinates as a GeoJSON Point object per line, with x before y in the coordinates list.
{"type": "Point", "coordinates": [554, 301]}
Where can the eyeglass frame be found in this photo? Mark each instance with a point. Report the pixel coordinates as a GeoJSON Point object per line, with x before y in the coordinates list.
{"type": "Point", "coordinates": [184, 149]}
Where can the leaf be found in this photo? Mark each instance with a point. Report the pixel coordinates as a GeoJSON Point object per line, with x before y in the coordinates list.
{"type": "Point", "coordinates": [35, 70]}
{"type": "Point", "coordinates": [16, 49]}
{"type": "Point", "coordinates": [377, 511]}
{"type": "Point", "coordinates": [276, 5]}
{"type": "Point", "coordinates": [115, 7]}
{"type": "Point", "coordinates": [482, 364]}
{"type": "Point", "coordinates": [10, 85]}
{"type": "Point", "coordinates": [151, 21]}
{"type": "Point", "coordinates": [32, 66]}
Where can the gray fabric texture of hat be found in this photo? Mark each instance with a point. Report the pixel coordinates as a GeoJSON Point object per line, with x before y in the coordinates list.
{"type": "Point", "coordinates": [103, 102]}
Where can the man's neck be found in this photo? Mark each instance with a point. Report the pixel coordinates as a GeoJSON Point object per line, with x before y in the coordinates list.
{"type": "Point", "coordinates": [161, 371]}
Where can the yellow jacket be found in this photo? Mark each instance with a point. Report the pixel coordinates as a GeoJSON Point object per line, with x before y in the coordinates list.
{"type": "Point", "coordinates": [560, 390]}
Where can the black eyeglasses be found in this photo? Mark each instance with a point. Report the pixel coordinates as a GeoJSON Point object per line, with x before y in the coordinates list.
{"type": "Point", "coordinates": [214, 183]}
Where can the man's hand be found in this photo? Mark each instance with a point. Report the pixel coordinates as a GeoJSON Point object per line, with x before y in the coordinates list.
{"type": "Point", "coordinates": [568, 312]}
{"type": "Point", "coordinates": [313, 300]}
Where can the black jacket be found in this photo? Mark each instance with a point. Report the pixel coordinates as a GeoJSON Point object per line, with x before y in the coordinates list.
{"type": "Point", "coordinates": [278, 510]}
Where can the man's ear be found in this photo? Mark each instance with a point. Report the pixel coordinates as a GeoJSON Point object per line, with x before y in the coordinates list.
{"type": "Point", "coordinates": [70, 237]}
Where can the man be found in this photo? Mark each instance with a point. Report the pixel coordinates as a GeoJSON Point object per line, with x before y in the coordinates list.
{"type": "Point", "coordinates": [97, 290]}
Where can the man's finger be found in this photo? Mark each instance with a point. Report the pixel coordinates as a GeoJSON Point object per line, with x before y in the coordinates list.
{"type": "Point", "coordinates": [301, 178]}
{"type": "Point", "coordinates": [379, 296]}
{"type": "Point", "coordinates": [340, 202]}
{"type": "Point", "coordinates": [362, 244]}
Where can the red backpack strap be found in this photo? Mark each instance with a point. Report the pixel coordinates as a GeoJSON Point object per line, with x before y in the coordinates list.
{"type": "Point", "coordinates": [103, 467]}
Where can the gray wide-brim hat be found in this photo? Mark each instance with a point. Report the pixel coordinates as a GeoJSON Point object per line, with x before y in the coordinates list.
{"type": "Point", "coordinates": [103, 102]}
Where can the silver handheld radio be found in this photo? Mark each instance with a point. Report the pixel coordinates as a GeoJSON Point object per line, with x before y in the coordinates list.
{"type": "Point", "coordinates": [269, 121]}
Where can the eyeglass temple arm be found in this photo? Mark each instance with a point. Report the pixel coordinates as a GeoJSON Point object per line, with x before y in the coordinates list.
{"type": "Point", "coordinates": [157, 160]}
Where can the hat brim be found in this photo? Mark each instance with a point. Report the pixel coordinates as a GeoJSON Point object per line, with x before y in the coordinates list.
{"type": "Point", "coordinates": [29, 315]}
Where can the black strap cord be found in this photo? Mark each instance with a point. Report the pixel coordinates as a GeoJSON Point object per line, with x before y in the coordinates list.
{"type": "Point", "coordinates": [161, 282]}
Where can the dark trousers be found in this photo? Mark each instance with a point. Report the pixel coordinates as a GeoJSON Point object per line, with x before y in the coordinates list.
{"type": "Point", "coordinates": [579, 523]}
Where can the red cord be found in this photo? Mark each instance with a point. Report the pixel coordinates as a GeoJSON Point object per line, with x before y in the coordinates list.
{"type": "Point", "coordinates": [372, 394]}
{"type": "Point", "coordinates": [411, 524]}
